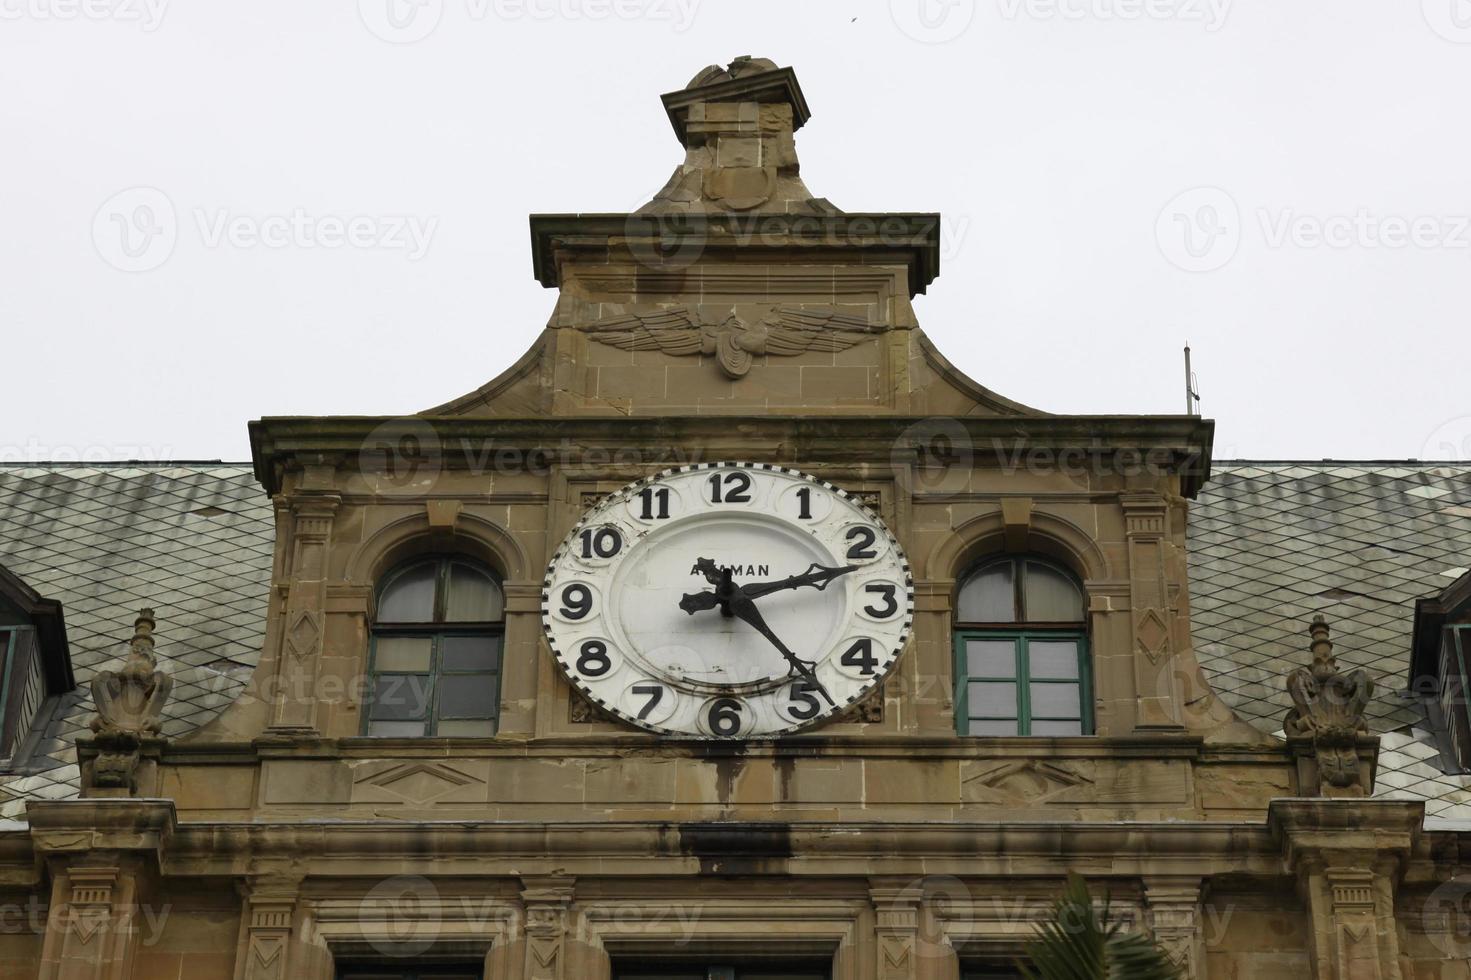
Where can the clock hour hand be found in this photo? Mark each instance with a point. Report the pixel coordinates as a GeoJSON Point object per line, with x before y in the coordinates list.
{"type": "Point", "coordinates": [743, 608]}
{"type": "Point", "coordinates": [817, 576]}
{"type": "Point", "coordinates": [725, 588]}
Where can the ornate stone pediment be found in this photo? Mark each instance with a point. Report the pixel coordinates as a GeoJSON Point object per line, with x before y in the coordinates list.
{"type": "Point", "coordinates": [784, 331]}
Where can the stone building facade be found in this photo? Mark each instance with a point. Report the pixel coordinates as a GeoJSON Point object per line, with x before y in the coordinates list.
{"type": "Point", "coordinates": [517, 828]}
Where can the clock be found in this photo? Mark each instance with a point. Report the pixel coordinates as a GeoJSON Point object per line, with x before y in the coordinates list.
{"type": "Point", "coordinates": [727, 600]}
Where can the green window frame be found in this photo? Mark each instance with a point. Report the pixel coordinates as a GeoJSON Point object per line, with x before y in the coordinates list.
{"type": "Point", "coordinates": [1023, 681]}
{"type": "Point", "coordinates": [1026, 611]}
{"type": "Point", "coordinates": [438, 672]}
{"type": "Point", "coordinates": [1455, 690]}
{"type": "Point", "coordinates": [7, 642]}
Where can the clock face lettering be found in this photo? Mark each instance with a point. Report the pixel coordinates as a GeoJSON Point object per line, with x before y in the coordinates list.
{"type": "Point", "coordinates": [727, 600]}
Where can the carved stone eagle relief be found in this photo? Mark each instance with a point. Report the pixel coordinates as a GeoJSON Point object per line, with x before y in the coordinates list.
{"type": "Point", "coordinates": [783, 332]}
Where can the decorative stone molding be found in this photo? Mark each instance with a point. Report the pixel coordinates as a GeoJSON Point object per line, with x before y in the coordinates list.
{"type": "Point", "coordinates": [1328, 711]}
{"type": "Point", "coordinates": [1173, 908]}
{"type": "Point", "coordinates": [90, 926]}
{"type": "Point", "coordinates": [1016, 518]}
{"type": "Point", "coordinates": [734, 342]}
{"type": "Point", "coordinates": [869, 711]}
{"type": "Point", "coordinates": [97, 853]}
{"type": "Point", "coordinates": [737, 123]}
{"type": "Point", "coordinates": [896, 909]}
{"type": "Point", "coordinates": [303, 623]}
{"type": "Point", "coordinates": [266, 926]}
{"type": "Point", "coordinates": [1348, 856]}
{"type": "Point", "coordinates": [547, 901]}
{"type": "Point", "coordinates": [1146, 519]}
{"type": "Point", "coordinates": [129, 717]}
{"type": "Point", "coordinates": [581, 711]}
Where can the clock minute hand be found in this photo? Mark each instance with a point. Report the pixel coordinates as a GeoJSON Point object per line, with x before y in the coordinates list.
{"type": "Point", "coordinates": [743, 608]}
{"type": "Point", "coordinates": [817, 576]}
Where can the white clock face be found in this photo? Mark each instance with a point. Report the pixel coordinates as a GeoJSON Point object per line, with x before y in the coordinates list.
{"type": "Point", "coordinates": [727, 600]}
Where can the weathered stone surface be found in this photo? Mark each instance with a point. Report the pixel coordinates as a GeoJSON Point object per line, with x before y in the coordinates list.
{"type": "Point", "coordinates": [734, 317]}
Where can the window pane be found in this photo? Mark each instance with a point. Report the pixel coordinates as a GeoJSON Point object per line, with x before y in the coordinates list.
{"type": "Point", "coordinates": [1057, 728]}
{"type": "Point", "coordinates": [467, 696]}
{"type": "Point", "coordinates": [400, 729]}
{"type": "Point", "coordinates": [987, 596]}
{"type": "Point", "coordinates": [409, 597]}
{"type": "Point", "coordinates": [978, 727]}
{"type": "Point", "coordinates": [991, 700]}
{"type": "Point", "coordinates": [1050, 596]}
{"type": "Point", "coordinates": [400, 697]}
{"type": "Point", "coordinates": [469, 652]}
{"type": "Point", "coordinates": [1053, 659]}
{"type": "Point", "coordinates": [408, 654]}
{"type": "Point", "coordinates": [467, 729]}
{"type": "Point", "coordinates": [474, 597]}
{"type": "Point", "coordinates": [1055, 701]}
{"type": "Point", "coordinates": [990, 658]}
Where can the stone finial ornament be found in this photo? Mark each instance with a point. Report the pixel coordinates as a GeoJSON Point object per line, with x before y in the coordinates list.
{"type": "Point", "coordinates": [1328, 707]}
{"type": "Point", "coordinates": [737, 123]}
{"type": "Point", "coordinates": [129, 708]}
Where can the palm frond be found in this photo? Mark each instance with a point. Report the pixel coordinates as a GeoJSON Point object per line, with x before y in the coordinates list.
{"type": "Point", "coordinates": [1081, 942]}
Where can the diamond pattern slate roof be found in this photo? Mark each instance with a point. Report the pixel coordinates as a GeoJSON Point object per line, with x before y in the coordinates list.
{"type": "Point", "coordinates": [1271, 544]}
{"type": "Point", "coordinates": [109, 539]}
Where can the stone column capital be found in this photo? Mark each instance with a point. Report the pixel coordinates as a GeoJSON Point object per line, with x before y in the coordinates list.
{"type": "Point", "coordinates": [1347, 855]}
{"type": "Point", "coordinates": [547, 900]}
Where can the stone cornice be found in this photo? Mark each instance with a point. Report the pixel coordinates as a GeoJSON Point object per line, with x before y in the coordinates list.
{"type": "Point", "coordinates": [1297, 830]}
{"type": "Point", "coordinates": [1317, 831]}
{"type": "Point", "coordinates": [909, 237]}
{"type": "Point", "coordinates": [606, 745]}
{"type": "Point", "coordinates": [1169, 444]}
{"type": "Point", "coordinates": [60, 827]}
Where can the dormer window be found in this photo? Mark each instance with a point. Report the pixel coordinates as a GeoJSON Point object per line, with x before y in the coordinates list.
{"type": "Point", "coordinates": [35, 666]}
{"type": "Point", "coordinates": [1021, 651]}
{"type": "Point", "coordinates": [1440, 669]}
{"type": "Point", "coordinates": [436, 652]}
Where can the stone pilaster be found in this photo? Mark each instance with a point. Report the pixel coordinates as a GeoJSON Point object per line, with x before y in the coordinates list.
{"type": "Point", "coordinates": [1347, 856]}
{"type": "Point", "coordinates": [896, 909]}
{"type": "Point", "coordinates": [1146, 522]}
{"type": "Point", "coordinates": [1173, 906]}
{"type": "Point", "coordinates": [91, 927]}
{"type": "Point", "coordinates": [303, 626]}
{"type": "Point", "coordinates": [547, 903]}
{"type": "Point", "coordinates": [97, 853]}
{"type": "Point", "coordinates": [267, 917]}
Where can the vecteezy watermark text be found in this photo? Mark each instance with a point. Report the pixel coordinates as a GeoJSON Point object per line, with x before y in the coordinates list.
{"type": "Point", "coordinates": [137, 229]}
{"type": "Point", "coordinates": [410, 234]}
{"type": "Point", "coordinates": [1209, 13]}
{"type": "Point", "coordinates": [147, 14]}
{"type": "Point", "coordinates": [1201, 229]}
{"type": "Point", "coordinates": [408, 21]}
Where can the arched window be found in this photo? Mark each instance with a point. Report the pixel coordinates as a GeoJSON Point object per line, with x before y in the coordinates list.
{"type": "Point", "coordinates": [1021, 651]}
{"type": "Point", "coordinates": [435, 663]}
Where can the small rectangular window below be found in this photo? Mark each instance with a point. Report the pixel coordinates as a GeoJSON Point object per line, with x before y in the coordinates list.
{"type": "Point", "coordinates": [1019, 682]}
{"type": "Point", "coordinates": [698, 970]}
{"type": "Point", "coordinates": [463, 971]}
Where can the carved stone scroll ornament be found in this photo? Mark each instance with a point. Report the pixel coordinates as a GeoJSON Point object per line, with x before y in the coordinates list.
{"type": "Point", "coordinates": [783, 332]}
{"type": "Point", "coordinates": [129, 708]}
{"type": "Point", "coordinates": [1328, 707]}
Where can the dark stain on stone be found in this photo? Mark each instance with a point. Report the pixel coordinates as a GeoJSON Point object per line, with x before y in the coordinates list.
{"type": "Point", "coordinates": [729, 759]}
{"type": "Point", "coordinates": [737, 848]}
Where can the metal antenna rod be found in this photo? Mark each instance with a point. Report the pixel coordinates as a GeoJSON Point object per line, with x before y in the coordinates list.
{"type": "Point", "coordinates": [1192, 388]}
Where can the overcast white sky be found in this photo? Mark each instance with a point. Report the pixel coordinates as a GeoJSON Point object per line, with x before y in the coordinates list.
{"type": "Point", "coordinates": [1285, 185]}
